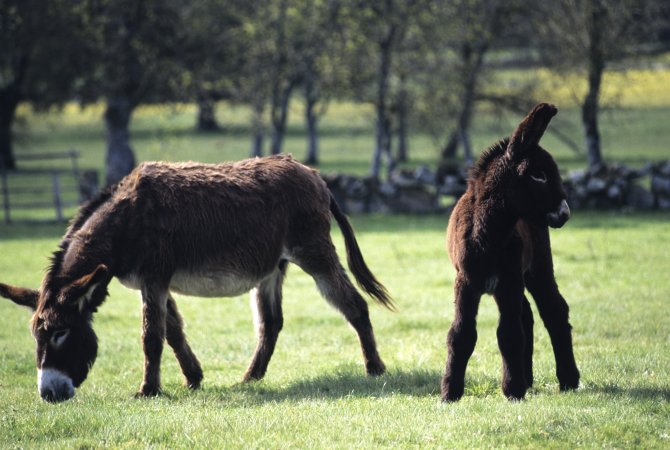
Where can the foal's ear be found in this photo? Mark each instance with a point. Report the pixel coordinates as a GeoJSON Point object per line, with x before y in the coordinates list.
{"type": "Point", "coordinates": [90, 290]}
{"type": "Point", "coordinates": [20, 296]}
{"type": "Point", "coordinates": [527, 135]}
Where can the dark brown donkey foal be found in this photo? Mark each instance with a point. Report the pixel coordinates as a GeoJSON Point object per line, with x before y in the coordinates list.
{"type": "Point", "coordinates": [498, 241]}
{"type": "Point", "coordinates": [196, 229]}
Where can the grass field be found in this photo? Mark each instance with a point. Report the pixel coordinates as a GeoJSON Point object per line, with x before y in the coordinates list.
{"type": "Point", "coordinates": [612, 268]}
{"type": "Point", "coordinates": [315, 394]}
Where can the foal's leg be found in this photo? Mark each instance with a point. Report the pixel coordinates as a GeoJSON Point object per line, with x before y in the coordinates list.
{"type": "Point", "coordinates": [266, 305]}
{"type": "Point", "coordinates": [527, 323]}
{"type": "Point", "coordinates": [175, 337]}
{"type": "Point", "coordinates": [553, 310]}
{"type": "Point", "coordinates": [511, 340]}
{"type": "Point", "coordinates": [461, 338]}
{"type": "Point", "coordinates": [154, 311]}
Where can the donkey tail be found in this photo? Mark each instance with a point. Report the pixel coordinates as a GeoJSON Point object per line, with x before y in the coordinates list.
{"type": "Point", "coordinates": [365, 279]}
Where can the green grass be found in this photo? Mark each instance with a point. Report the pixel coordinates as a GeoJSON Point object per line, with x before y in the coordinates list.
{"type": "Point", "coordinates": [613, 270]}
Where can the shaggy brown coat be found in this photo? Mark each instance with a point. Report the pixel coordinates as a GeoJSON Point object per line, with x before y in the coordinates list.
{"type": "Point", "coordinates": [195, 229]}
{"type": "Point", "coordinates": [498, 241]}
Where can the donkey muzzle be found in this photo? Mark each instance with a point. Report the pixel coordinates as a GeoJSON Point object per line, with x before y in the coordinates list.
{"type": "Point", "coordinates": [558, 218]}
{"type": "Point", "coordinates": [54, 386]}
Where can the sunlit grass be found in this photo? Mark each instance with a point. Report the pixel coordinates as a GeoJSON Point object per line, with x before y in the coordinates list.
{"type": "Point", "coordinates": [315, 393]}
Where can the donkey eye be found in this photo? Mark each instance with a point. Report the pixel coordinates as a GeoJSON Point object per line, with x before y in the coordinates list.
{"type": "Point", "coordinates": [539, 176]}
{"type": "Point", "coordinates": [59, 337]}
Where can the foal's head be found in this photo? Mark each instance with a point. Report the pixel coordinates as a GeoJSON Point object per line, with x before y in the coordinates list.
{"type": "Point", "coordinates": [532, 185]}
{"type": "Point", "coordinates": [61, 325]}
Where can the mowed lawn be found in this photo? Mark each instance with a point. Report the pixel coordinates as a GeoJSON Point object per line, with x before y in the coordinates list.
{"type": "Point", "coordinates": [613, 270]}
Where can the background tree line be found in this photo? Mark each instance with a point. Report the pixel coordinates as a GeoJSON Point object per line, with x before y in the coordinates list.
{"type": "Point", "coordinates": [423, 64]}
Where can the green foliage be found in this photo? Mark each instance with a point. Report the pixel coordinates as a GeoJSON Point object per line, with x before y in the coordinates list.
{"type": "Point", "coordinates": [316, 395]}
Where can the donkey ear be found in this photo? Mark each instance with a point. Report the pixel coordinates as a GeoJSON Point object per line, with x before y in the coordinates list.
{"type": "Point", "coordinates": [527, 135]}
{"type": "Point", "coordinates": [85, 289]}
{"type": "Point", "coordinates": [20, 296]}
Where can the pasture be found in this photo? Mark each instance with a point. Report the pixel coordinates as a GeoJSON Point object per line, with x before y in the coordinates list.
{"type": "Point", "coordinates": [315, 394]}
{"type": "Point", "coordinates": [612, 269]}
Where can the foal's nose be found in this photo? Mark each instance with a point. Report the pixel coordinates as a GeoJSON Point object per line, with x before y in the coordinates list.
{"type": "Point", "coordinates": [558, 218]}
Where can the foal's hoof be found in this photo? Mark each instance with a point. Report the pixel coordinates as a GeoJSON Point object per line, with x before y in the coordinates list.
{"type": "Point", "coordinates": [568, 381]}
{"type": "Point", "coordinates": [514, 391]}
{"type": "Point", "coordinates": [193, 382]}
{"type": "Point", "coordinates": [194, 385]}
{"type": "Point", "coordinates": [375, 369]}
{"type": "Point", "coordinates": [452, 388]}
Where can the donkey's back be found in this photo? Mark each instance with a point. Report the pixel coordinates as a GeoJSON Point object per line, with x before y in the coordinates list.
{"type": "Point", "coordinates": [237, 219]}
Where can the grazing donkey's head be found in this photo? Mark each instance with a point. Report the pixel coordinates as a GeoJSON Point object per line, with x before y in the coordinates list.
{"type": "Point", "coordinates": [61, 326]}
{"type": "Point", "coordinates": [527, 173]}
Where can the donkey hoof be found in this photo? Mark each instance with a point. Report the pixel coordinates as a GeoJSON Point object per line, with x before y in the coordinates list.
{"type": "Point", "coordinates": [375, 369]}
{"type": "Point", "coordinates": [451, 397]}
{"type": "Point", "coordinates": [514, 391]}
{"type": "Point", "coordinates": [193, 382]}
{"type": "Point", "coordinates": [569, 386]}
{"type": "Point", "coordinates": [194, 385]}
{"type": "Point", "coordinates": [147, 391]}
{"type": "Point", "coordinates": [569, 381]}
{"type": "Point", "coordinates": [251, 376]}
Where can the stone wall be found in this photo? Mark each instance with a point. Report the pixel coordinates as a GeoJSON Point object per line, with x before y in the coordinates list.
{"type": "Point", "coordinates": [422, 191]}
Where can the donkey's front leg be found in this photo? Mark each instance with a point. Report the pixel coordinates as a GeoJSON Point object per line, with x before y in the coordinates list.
{"type": "Point", "coordinates": [154, 309]}
{"type": "Point", "coordinates": [553, 309]}
{"type": "Point", "coordinates": [461, 339]}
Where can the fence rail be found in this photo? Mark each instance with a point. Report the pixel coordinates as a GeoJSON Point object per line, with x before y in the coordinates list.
{"type": "Point", "coordinates": [42, 186]}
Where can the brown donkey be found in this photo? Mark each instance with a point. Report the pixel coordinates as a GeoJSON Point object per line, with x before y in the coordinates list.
{"type": "Point", "coordinates": [195, 229]}
{"type": "Point", "coordinates": [498, 241]}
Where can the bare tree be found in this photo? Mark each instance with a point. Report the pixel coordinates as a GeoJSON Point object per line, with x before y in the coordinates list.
{"type": "Point", "coordinates": [588, 35]}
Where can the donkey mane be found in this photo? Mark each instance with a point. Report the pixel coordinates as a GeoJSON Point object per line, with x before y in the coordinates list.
{"type": "Point", "coordinates": [486, 159]}
{"type": "Point", "coordinates": [83, 214]}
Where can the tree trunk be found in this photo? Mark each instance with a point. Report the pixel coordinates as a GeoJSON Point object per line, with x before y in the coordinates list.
{"type": "Point", "coordinates": [596, 67]}
{"type": "Point", "coordinates": [312, 133]}
{"type": "Point", "coordinates": [472, 62]}
{"type": "Point", "coordinates": [383, 133]}
{"type": "Point", "coordinates": [257, 128]}
{"type": "Point", "coordinates": [10, 96]}
{"type": "Point", "coordinates": [119, 158]}
{"type": "Point", "coordinates": [207, 114]}
{"type": "Point", "coordinates": [402, 154]}
{"type": "Point", "coordinates": [9, 100]}
{"type": "Point", "coordinates": [279, 115]}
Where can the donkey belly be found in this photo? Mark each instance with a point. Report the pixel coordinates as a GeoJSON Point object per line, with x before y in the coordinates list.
{"type": "Point", "coordinates": [211, 283]}
{"type": "Point", "coordinates": [201, 283]}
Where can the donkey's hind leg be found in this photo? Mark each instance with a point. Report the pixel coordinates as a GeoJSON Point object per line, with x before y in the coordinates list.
{"type": "Point", "coordinates": [461, 339]}
{"type": "Point", "coordinates": [336, 287]}
{"type": "Point", "coordinates": [176, 339]}
{"type": "Point", "coordinates": [527, 322]}
{"type": "Point", "coordinates": [511, 339]}
{"type": "Point", "coordinates": [266, 306]}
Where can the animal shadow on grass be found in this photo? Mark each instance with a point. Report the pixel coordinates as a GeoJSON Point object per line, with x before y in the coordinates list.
{"type": "Point", "coordinates": [634, 392]}
{"type": "Point", "coordinates": [417, 383]}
